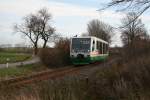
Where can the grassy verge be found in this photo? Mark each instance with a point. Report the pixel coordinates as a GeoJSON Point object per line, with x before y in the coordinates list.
{"type": "Point", "coordinates": [12, 57]}
{"type": "Point", "coordinates": [122, 81]}
{"type": "Point", "coordinates": [21, 70]}
{"type": "Point", "coordinates": [17, 50]}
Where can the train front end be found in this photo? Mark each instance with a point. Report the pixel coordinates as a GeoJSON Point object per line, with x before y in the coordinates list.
{"type": "Point", "coordinates": [80, 50]}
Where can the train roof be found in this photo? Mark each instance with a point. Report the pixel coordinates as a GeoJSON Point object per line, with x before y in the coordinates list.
{"type": "Point", "coordinates": [93, 37]}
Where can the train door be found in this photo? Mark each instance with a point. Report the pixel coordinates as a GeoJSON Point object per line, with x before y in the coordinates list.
{"type": "Point", "coordinates": [93, 45]}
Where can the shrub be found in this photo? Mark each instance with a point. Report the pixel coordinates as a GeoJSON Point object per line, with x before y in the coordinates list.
{"type": "Point", "coordinates": [57, 56]}
{"type": "Point", "coordinates": [136, 49]}
{"type": "Point", "coordinates": [63, 46]}
{"type": "Point", "coordinates": [50, 57]}
{"type": "Point", "coordinates": [127, 80]}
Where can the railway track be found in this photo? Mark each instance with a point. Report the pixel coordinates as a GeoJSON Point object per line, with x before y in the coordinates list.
{"type": "Point", "coordinates": [50, 74]}
{"type": "Point", "coordinates": [45, 75]}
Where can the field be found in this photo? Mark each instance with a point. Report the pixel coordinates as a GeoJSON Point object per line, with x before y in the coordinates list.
{"type": "Point", "coordinates": [20, 70]}
{"type": "Point", "coordinates": [12, 57]}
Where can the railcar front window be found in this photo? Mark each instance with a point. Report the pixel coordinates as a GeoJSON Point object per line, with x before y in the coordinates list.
{"type": "Point", "coordinates": [81, 44]}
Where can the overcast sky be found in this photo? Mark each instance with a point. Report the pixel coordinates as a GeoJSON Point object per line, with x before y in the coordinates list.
{"type": "Point", "coordinates": [70, 17]}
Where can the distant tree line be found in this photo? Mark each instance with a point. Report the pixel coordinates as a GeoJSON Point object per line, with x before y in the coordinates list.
{"type": "Point", "coordinates": [37, 26]}
{"type": "Point", "coordinates": [132, 28]}
{"type": "Point", "coordinates": [133, 31]}
{"type": "Point", "coordinates": [134, 35]}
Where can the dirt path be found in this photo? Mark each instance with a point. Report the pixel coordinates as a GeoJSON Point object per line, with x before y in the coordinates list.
{"type": "Point", "coordinates": [31, 61]}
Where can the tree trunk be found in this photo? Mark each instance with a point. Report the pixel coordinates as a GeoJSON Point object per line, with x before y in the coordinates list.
{"type": "Point", "coordinates": [45, 42]}
{"type": "Point", "coordinates": [35, 50]}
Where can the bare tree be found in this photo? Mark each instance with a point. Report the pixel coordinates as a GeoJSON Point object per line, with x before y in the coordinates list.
{"type": "Point", "coordinates": [36, 26]}
{"type": "Point", "coordinates": [30, 29]}
{"type": "Point", "coordinates": [100, 29]}
{"type": "Point", "coordinates": [134, 30]}
{"type": "Point", "coordinates": [46, 30]}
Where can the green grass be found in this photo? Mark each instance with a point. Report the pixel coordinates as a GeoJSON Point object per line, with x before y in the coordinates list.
{"type": "Point", "coordinates": [13, 57]}
{"type": "Point", "coordinates": [17, 50]}
{"type": "Point", "coordinates": [20, 71]}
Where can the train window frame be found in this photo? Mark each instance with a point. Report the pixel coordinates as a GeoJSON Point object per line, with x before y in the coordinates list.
{"type": "Point", "coordinates": [103, 48]}
{"type": "Point", "coordinates": [97, 45]}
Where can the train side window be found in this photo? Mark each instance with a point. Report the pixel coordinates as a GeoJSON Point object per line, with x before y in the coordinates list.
{"type": "Point", "coordinates": [93, 46]}
{"type": "Point", "coordinates": [100, 47]}
{"type": "Point", "coordinates": [103, 48]}
{"type": "Point", "coordinates": [97, 47]}
{"type": "Point", "coordinates": [107, 48]}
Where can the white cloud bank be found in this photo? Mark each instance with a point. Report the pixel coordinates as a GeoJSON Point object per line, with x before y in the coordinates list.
{"type": "Point", "coordinates": [21, 8]}
{"type": "Point", "coordinates": [24, 7]}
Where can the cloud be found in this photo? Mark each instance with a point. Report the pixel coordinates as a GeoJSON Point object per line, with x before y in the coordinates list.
{"type": "Point", "coordinates": [74, 17]}
{"type": "Point", "coordinates": [13, 10]}
{"type": "Point", "coordinates": [23, 7]}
